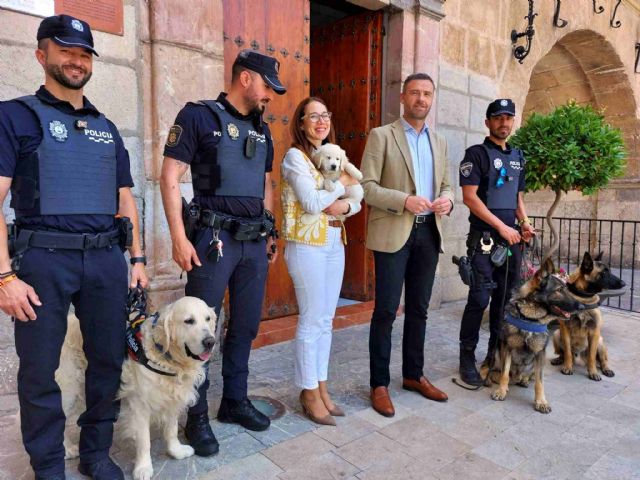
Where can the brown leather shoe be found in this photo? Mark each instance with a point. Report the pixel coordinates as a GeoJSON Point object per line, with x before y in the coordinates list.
{"type": "Point", "coordinates": [424, 388]}
{"type": "Point", "coordinates": [381, 401]}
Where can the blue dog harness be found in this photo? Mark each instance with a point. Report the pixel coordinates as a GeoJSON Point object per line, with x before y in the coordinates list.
{"type": "Point", "coordinates": [526, 325]}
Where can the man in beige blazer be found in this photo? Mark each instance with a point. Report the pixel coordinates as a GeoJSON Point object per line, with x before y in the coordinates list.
{"type": "Point", "coordinates": [406, 184]}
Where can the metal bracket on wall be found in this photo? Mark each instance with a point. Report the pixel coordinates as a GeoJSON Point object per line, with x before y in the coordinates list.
{"type": "Point", "coordinates": [520, 52]}
{"type": "Point", "coordinates": [557, 21]}
{"type": "Point", "coordinates": [635, 69]}
{"type": "Point", "coordinates": [617, 23]}
{"type": "Point", "coordinates": [597, 10]}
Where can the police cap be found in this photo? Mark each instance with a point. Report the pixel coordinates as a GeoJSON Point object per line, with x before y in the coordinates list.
{"type": "Point", "coordinates": [267, 67]}
{"type": "Point", "coordinates": [67, 31]}
{"type": "Point", "coordinates": [501, 106]}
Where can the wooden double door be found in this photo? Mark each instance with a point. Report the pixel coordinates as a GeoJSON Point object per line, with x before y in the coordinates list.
{"type": "Point", "coordinates": [339, 62]}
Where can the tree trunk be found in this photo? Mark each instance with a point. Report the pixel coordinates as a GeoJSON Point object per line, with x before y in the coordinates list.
{"type": "Point", "coordinates": [555, 241]}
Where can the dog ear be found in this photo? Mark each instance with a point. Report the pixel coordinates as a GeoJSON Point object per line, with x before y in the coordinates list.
{"type": "Point", "coordinates": [166, 323]}
{"type": "Point", "coordinates": [546, 269]}
{"type": "Point", "coordinates": [587, 263]}
{"type": "Point", "coordinates": [599, 257]}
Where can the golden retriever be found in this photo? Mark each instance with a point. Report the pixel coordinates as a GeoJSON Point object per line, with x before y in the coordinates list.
{"type": "Point", "coordinates": [332, 160]}
{"type": "Point", "coordinates": [178, 342]}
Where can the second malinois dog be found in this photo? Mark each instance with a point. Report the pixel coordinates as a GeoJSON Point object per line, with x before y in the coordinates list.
{"type": "Point", "coordinates": [524, 335]}
{"type": "Point", "coordinates": [580, 335]}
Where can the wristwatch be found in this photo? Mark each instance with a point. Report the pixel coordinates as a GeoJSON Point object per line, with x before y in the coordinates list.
{"type": "Point", "coordinates": [524, 220]}
{"type": "Point", "coordinates": [134, 260]}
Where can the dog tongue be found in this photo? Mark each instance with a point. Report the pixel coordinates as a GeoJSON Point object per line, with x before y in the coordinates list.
{"type": "Point", "coordinates": [205, 356]}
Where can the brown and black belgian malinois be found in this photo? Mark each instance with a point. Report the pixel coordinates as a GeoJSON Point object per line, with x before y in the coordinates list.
{"type": "Point", "coordinates": [580, 335]}
{"type": "Point", "coordinates": [524, 335]}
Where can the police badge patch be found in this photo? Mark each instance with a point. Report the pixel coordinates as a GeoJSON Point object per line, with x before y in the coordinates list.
{"type": "Point", "coordinates": [504, 103]}
{"type": "Point", "coordinates": [58, 131]}
{"type": "Point", "coordinates": [465, 169]}
{"type": "Point", "coordinates": [497, 163]}
{"type": "Point", "coordinates": [174, 136]}
{"type": "Point", "coordinates": [233, 131]}
{"type": "Point", "coordinates": [77, 25]}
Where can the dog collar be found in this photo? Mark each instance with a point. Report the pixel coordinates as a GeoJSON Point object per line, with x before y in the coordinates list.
{"type": "Point", "coordinates": [526, 325]}
{"type": "Point", "coordinates": [580, 293]}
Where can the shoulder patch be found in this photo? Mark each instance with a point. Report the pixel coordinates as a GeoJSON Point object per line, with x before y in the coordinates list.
{"type": "Point", "coordinates": [465, 169]}
{"type": "Point", "coordinates": [173, 138]}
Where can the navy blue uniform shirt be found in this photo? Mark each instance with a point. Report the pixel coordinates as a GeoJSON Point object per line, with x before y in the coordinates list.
{"type": "Point", "coordinates": [479, 175]}
{"type": "Point", "coordinates": [20, 136]}
{"type": "Point", "coordinates": [198, 141]}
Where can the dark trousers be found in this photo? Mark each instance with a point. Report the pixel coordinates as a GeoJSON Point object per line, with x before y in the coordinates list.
{"type": "Point", "coordinates": [505, 278]}
{"type": "Point", "coordinates": [244, 269]}
{"type": "Point", "coordinates": [95, 281]}
{"type": "Point", "coordinates": [414, 265]}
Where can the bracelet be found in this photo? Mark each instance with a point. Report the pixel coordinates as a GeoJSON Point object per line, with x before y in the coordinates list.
{"type": "Point", "coordinates": [524, 220]}
{"type": "Point", "coordinates": [7, 274]}
{"type": "Point", "coordinates": [134, 260]}
{"type": "Point", "coordinates": [348, 209]}
{"type": "Point", "coordinates": [7, 279]}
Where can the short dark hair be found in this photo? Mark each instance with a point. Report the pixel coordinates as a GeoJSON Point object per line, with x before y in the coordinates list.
{"type": "Point", "coordinates": [300, 140]}
{"type": "Point", "coordinates": [417, 76]}
{"type": "Point", "coordinates": [237, 69]}
{"type": "Point", "coordinates": [42, 44]}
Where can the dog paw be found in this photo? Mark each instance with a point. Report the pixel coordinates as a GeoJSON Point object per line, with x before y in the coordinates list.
{"type": "Point", "coordinates": [499, 394]}
{"type": "Point", "coordinates": [542, 407]}
{"type": "Point", "coordinates": [181, 451]}
{"type": "Point", "coordinates": [523, 383]}
{"type": "Point", "coordinates": [608, 373]}
{"type": "Point", "coordinates": [566, 371]}
{"type": "Point", "coordinates": [557, 361]}
{"type": "Point", "coordinates": [143, 472]}
{"type": "Point", "coordinates": [594, 376]}
{"type": "Point", "coordinates": [71, 452]}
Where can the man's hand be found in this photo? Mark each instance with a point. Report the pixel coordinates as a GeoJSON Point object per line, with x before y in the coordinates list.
{"type": "Point", "coordinates": [511, 235]}
{"type": "Point", "coordinates": [339, 207]}
{"type": "Point", "coordinates": [528, 232]}
{"type": "Point", "coordinates": [272, 253]}
{"type": "Point", "coordinates": [184, 254]}
{"type": "Point", "coordinates": [139, 276]}
{"type": "Point", "coordinates": [441, 206]}
{"type": "Point", "coordinates": [16, 298]}
{"type": "Point", "coordinates": [417, 205]}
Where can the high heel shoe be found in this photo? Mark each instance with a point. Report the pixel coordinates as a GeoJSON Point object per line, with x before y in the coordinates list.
{"type": "Point", "coordinates": [336, 411]}
{"type": "Point", "coordinates": [326, 420]}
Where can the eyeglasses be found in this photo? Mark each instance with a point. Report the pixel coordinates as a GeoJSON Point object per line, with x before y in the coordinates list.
{"type": "Point", "coordinates": [315, 118]}
{"type": "Point", "coordinates": [502, 178]}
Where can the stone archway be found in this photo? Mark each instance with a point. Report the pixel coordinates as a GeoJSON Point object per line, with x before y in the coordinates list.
{"type": "Point", "coordinates": [585, 67]}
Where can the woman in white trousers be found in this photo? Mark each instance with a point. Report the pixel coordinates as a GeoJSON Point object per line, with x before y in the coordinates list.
{"type": "Point", "coordinates": [314, 231]}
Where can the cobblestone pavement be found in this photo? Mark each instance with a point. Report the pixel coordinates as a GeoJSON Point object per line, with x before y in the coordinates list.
{"type": "Point", "coordinates": [592, 433]}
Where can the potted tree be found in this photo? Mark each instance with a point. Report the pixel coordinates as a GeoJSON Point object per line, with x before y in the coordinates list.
{"type": "Point", "coordinates": [572, 148]}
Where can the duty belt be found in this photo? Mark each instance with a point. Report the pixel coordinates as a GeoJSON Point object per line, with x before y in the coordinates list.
{"type": "Point", "coordinates": [423, 218]}
{"type": "Point", "coordinates": [241, 228]}
{"type": "Point", "coordinates": [66, 241]}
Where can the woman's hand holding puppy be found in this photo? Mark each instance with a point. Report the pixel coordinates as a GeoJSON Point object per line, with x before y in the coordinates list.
{"type": "Point", "coordinates": [339, 207]}
{"type": "Point", "coordinates": [347, 180]}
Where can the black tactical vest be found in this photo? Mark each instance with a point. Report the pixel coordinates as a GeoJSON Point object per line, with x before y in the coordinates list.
{"type": "Point", "coordinates": [503, 197]}
{"type": "Point", "coordinates": [73, 170]}
{"type": "Point", "coordinates": [238, 169]}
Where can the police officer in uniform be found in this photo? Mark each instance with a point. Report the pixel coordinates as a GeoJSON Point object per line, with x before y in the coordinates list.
{"type": "Point", "coordinates": [68, 173]}
{"type": "Point", "coordinates": [230, 152]}
{"type": "Point", "coordinates": [492, 181]}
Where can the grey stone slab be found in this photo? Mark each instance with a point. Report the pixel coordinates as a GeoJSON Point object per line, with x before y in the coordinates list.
{"type": "Point", "coordinates": [374, 449]}
{"type": "Point", "coordinates": [417, 470]}
{"type": "Point", "coordinates": [629, 397]}
{"type": "Point", "coordinates": [231, 449]}
{"type": "Point", "coordinates": [371, 416]}
{"type": "Point", "coordinates": [328, 466]}
{"type": "Point", "coordinates": [292, 453]}
{"type": "Point", "coordinates": [253, 467]}
{"type": "Point", "coordinates": [423, 440]}
{"type": "Point", "coordinates": [294, 424]}
{"type": "Point", "coordinates": [471, 467]}
{"type": "Point", "coordinates": [272, 436]}
{"type": "Point", "coordinates": [349, 428]}
{"type": "Point", "coordinates": [474, 429]}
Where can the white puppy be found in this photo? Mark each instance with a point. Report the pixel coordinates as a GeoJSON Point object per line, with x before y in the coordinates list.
{"type": "Point", "coordinates": [177, 343]}
{"type": "Point", "coordinates": [332, 160]}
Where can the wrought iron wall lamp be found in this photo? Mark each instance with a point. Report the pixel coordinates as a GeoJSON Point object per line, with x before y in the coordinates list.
{"type": "Point", "coordinates": [520, 52]}
{"type": "Point", "coordinates": [597, 10]}
{"type": "Point", "coordinates": [635, 69]}
{"type": "Point", "coordinates": [616, 23]}
{"type": "Point", "coordinates": [557, 21]}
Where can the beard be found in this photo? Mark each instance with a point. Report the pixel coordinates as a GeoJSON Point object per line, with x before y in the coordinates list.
{"type": "Point", "coordinates": [58, 75]}
{"type": "Point", "coordinates": [500, 134]}
{"type": "Point", "coordinates": [418, 114]}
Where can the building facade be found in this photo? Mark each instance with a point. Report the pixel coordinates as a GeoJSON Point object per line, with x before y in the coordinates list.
{"type": "Point", "coordinates": [355, 54]}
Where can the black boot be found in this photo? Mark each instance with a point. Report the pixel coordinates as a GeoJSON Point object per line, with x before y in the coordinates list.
{"type": "Point", "coordinates": [200, 436]}
{"type": "Point", "coordinates": [244, 413]}
{"type": "Point", "coordinates": [468, 371]}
